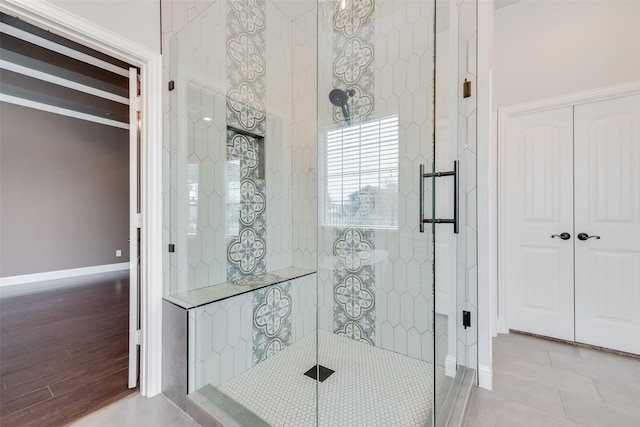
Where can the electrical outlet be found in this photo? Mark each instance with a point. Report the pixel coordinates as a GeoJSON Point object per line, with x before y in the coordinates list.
{"type": "Point", "coordinates": [118, 252]}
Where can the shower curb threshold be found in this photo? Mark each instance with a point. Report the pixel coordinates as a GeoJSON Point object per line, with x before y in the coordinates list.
{"type": "Point", "coordinates": [462, 403]}
{"type": "Point", "coordinates": [209, 407]}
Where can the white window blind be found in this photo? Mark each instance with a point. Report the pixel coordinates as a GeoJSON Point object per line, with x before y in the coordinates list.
{"type": "Point", "coordinates": [361, 175]}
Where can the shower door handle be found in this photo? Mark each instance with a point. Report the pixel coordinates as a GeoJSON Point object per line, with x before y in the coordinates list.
{"type": "Point", "coordinates": [421, 202]}
{"type": "Point", "coordinates": [456, 193]}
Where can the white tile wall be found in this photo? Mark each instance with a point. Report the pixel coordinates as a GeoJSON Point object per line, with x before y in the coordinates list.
{"type": "Point", "coordinates": [403, 79]}
{"type": "Point", "coordinates": [221, 336]}
{"type": "Point", "coordinates": [305, 160]}
{"type": "Point", "coordinates": [303, 301]}
{"type": "Point", "coordinates": [278, 141]}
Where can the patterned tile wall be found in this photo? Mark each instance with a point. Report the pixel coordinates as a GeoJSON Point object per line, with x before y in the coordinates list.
{"type": "Point", "coordinates": [353, 52]}
{"type": "Point", "coordinates": [246, 205]}
{"type": "Point", "coordinates": [353, 71]}
{"type": "Point", "coordinates": [233, 335]}
{"type": "Point", "coordinates": [354, 284]}
{"type": "Point", "coordinates": [246, 111]}
{"type": "Point", "coordinates": [271, 321]}
{"type": "Point", "coordinates": [246, 65]}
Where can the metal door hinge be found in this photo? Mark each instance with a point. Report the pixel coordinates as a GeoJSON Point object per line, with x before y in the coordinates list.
{"type": "Point", "coordinates": [137, 337]}
{"type": "Point", "coordinates": [172, 247]}
{"type": "Point", "coordinates": [139, 220]}
{"type": "Point", "coordinates": [466, 89]}
{"type": "Point", "coordinates": [171, 85]}
{"type": "Point", "coordinates": [137, 103]}
{"type": "Point", "coordinates": [466, 319]}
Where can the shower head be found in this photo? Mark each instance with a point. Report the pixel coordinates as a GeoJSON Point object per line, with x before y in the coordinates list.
{"type": "Point", "coordinates": [339, 98]}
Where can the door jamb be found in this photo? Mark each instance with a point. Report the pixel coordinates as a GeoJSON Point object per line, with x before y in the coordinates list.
{"type": "Point", "coordinates": [70, 26]}
{"type": "Point", "coordinates": [506, 113]}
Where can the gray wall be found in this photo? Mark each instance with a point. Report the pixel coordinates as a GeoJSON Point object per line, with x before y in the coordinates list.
{"type": "Point", "coordinates": [64, 192]}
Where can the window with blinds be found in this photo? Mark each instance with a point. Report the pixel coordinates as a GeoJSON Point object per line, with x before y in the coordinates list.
{"type": "Point", "coordinates": [361, 175]}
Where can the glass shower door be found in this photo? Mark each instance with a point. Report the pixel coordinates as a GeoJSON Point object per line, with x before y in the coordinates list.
{"type": "Point", "coordinates": [455, 198]}
{"type": "Point", "coordinates": [377, 303]}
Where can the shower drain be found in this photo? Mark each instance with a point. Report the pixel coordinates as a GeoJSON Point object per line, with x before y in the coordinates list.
{"type": "Point", "coordinates": [319, 373]}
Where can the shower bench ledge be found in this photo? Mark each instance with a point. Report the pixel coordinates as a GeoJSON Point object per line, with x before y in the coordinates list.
{"type": "Point", "coordinates": [221, 291]}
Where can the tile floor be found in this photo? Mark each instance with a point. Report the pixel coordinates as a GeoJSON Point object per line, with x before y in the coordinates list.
{"type": "Point", "coordinates": [138, 411]}
{"type": "Point", "coordinates": [371, 386]}
{"type": "Point", "coordinates": [537, 382]}
{"type": "Point", "coordinates": [540, 382]}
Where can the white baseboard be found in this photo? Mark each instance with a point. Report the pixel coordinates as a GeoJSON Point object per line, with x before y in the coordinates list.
{"type": "Point", "coordinates": [485, 377]}
{"type": "Point", "coordinates": [450, 366]}
{"type": "Point", "coordinates": [62, 274]}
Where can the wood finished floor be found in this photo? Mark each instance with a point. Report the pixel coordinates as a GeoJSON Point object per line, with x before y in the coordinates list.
{"type": "Point", "coordinates": [64, 351]}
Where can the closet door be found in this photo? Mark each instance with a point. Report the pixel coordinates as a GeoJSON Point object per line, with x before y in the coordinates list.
{"type": "Point", "coordinates": [538, 185]}
{"type": "Point", "coordinates": [607, 211]}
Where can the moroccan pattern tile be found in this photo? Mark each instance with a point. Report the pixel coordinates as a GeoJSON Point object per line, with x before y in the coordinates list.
{"type": "Point", "coordinates": [354, 272]}
{"type": "Point", "coordinates": [246, 111]}
{"type": "Point", "coordinates": [353, 50]}
{"type": "Point", "coordinates": [246, 65]}
{"type": "Point", "coordinates": [246, 228]}
{"type": "Point", "coordinates": [354, 284]}
{"type": "Point", "coordinates": [271, 320]}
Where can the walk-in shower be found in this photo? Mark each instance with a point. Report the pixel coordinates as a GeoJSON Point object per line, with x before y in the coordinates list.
{"type": "Point", "coordinates": [300, 290]}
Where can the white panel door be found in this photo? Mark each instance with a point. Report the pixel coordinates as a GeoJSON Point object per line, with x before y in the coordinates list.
{"type": "Point", "coordinates": [607, 204]}
{"type": "Point", "coordinates": [539, 205]}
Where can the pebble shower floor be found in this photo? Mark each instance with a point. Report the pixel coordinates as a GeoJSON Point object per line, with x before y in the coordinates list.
{"type": "Point", "coordinates": [371, 386]}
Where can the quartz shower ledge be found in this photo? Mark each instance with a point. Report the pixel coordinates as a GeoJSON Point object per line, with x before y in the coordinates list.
{"type": "Point", "coordinates": [213, 293]}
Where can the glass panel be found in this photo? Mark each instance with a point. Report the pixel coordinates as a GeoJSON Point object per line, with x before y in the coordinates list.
{"type": "Point", "coordinates": [376, 295]}
{"type": "Point", "coordinates": [245, 261]}
{"type": "Point", "coordinates": [297, 131]}
{"type": "Point", "coordinates": [455, 260]}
